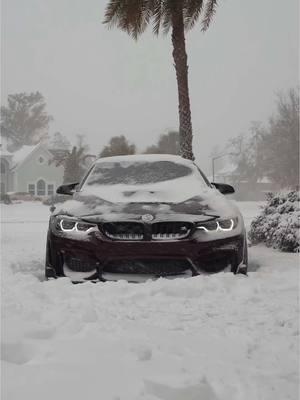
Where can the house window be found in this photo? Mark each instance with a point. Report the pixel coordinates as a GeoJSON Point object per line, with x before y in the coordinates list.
{"type": "Point", "coordinates": [41, 187]}
{"type": "Point", "coordinates": [50, 189]}
{"type": "Point", "coordinates": [41, 160]}
{"type": "Point", "coordinates": [31, 189]}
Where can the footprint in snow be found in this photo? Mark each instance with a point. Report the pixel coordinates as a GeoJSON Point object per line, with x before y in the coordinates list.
{"type": "Point", "coordinates": [17, 352]}
{"type": "Point", "coordinates": [41, 333]}
{"type": "Point", "coordinates": [202, 390]}
{"type": "Point", "coordinates": [142, 352]}
{"type": "Point", "coordinates": [253, 266]}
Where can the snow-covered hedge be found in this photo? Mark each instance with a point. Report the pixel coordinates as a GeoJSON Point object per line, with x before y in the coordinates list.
{"type": "Point", "coordinates": [278, 225]}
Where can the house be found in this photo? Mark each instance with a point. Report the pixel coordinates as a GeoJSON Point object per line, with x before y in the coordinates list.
{"type": "Point", "coordinates": [29, 170]}
{"type": "Point", "coordinates": [227, 173]}
{"type": "Point", "coordinates": [244, 189]}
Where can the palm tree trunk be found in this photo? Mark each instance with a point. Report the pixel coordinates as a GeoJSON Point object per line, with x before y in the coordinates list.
{"type": "Point", "coordinates": [181, 67]}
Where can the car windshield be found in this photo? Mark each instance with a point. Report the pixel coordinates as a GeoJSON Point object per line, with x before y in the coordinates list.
{"type": "Point", "coordinates": [138, 173]}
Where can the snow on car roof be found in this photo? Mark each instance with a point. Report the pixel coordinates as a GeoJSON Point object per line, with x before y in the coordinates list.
{"type": "Point", "coordinates": [145, 157]}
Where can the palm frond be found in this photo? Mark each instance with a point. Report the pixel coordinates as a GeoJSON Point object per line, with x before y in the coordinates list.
{"type": "Point", "coordinates": [170, 8]}
{"type": "Point", "coordinates": [191, 12]}
{"type": "Point", "coordinates": [156, 8]}
{"type": "Point", "coordinates": [131, 16]}
{"type": "Point", "coordinates": [112, 12]}
{"type": "Point", "coordinates": [209, 12]}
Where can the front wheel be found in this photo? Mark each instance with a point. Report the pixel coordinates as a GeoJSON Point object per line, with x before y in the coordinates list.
{"type": "Point", "coordinates": [52, 263]}
{"type": "Point", "coordinates": [242, 266]}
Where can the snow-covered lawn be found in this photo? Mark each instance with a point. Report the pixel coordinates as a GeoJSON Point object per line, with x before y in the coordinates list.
{"type": "Point", "coordinates": [207, 338]}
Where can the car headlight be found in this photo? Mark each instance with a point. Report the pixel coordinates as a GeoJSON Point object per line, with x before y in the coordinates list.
{"type": "Point", "coordinates": [215, 225]}
{"type": "Point", "coordinates": [68, 224]}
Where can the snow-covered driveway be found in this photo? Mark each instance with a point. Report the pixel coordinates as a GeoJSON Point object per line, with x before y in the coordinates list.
{"type": "Point", "coordinates": [206, 338]}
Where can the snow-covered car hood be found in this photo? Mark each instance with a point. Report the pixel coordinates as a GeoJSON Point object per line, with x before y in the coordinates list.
{"type": "Point", "coordinates": [133, 204]}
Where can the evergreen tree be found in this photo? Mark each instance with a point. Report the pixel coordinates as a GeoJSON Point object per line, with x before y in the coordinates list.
{"type": "Point", "coordinates": [168, 143]}
{"type": "Point", "coordinates": [59, 142]}
{"type": "Point", "coordinates": [118, 146]}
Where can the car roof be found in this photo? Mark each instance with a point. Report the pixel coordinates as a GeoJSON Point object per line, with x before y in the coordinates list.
{"type": "Point", "coordinates": [145, 158]}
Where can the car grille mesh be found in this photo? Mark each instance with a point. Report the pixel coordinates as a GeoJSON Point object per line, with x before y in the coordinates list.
{"type": "Point", "coordinates": [135, 231]}
{"type": "Point", "coordinates": [80, 265]}
{"type": "Point", "coordinates": [170, 230]}
{"type": "Point", "coordinates": [124, 230]}
{"type": "Point", "coordinates": [158, 267]}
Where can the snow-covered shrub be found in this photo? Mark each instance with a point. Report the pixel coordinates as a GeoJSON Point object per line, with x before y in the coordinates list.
{"type": "Point", "coordinates": [278, 225]}
{"type": "Point", "coordinates": [23, 196]}
{"type": "Point", "coordinates": [4, 198]}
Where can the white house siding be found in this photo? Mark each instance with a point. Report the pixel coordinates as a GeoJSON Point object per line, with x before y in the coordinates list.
{"type": "Point", "coordinates": [31, 171]}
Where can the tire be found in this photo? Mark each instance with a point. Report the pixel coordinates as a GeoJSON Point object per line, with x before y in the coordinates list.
{"type": "Point", "coordinates": [53, 265]}
{"type": "Point", "coordinates": [241, 267]}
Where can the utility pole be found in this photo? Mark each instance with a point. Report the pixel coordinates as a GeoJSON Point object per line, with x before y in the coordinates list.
{"type": "Point", "coordinates": [213, 159]}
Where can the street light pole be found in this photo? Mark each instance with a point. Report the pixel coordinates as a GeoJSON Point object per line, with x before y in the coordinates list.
{"type": "Point", "coordinates": [216, 158]}
{"type": "Point", "coordinates": [213, 163]}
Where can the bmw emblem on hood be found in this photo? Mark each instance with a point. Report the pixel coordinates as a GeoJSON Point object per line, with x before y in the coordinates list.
{"type": "Point", "coordinates": [147, 218]}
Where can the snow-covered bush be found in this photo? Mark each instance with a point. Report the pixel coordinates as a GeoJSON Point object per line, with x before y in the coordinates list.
{"type": "Point", "coordinates": [23, 196]}
{"type": "Point", "coordinates": [279, 223]}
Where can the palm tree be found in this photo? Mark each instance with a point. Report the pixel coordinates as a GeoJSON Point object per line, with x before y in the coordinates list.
{"type": "Point", "coordinates": [133, 16]}
{"type": "Point", "coordinates": [73, 162]}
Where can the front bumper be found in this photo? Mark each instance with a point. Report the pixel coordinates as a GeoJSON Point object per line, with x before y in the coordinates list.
{"type": "Point", "coordinates": [97, 257]}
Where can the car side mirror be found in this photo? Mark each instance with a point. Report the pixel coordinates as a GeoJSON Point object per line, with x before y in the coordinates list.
{"type": "Point", "coordinates": [67, 189]}
{"type": "Point", "coordinates": [223, 188]}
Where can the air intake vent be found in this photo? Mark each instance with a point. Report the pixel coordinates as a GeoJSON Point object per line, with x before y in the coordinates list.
{"type": "Point", "coordinates": [80, 265]}
{"type": "Point", "coordinates": [158, 267]}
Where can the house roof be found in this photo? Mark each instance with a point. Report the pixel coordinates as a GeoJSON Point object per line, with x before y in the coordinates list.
{"type": "Point", "coordinates": [26, 151]}
{"type": "Point", "coordinates": [228, 170]}
{"type": "Point", "coordinates": [20, 155]}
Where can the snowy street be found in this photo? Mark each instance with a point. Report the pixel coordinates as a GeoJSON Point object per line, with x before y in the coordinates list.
{"type": "Point", "coordinates": [219, 337]}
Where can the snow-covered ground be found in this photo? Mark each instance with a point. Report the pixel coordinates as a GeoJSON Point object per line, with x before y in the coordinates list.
{"type": "Point", "coordinates": [206, 338]}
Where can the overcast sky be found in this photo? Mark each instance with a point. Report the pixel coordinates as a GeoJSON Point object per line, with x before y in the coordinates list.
{"type": "Point", "coordinates": [102, 83]}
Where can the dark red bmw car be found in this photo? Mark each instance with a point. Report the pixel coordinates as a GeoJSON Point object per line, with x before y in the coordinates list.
{"type": "Point", "coordinates": [145, 216]}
